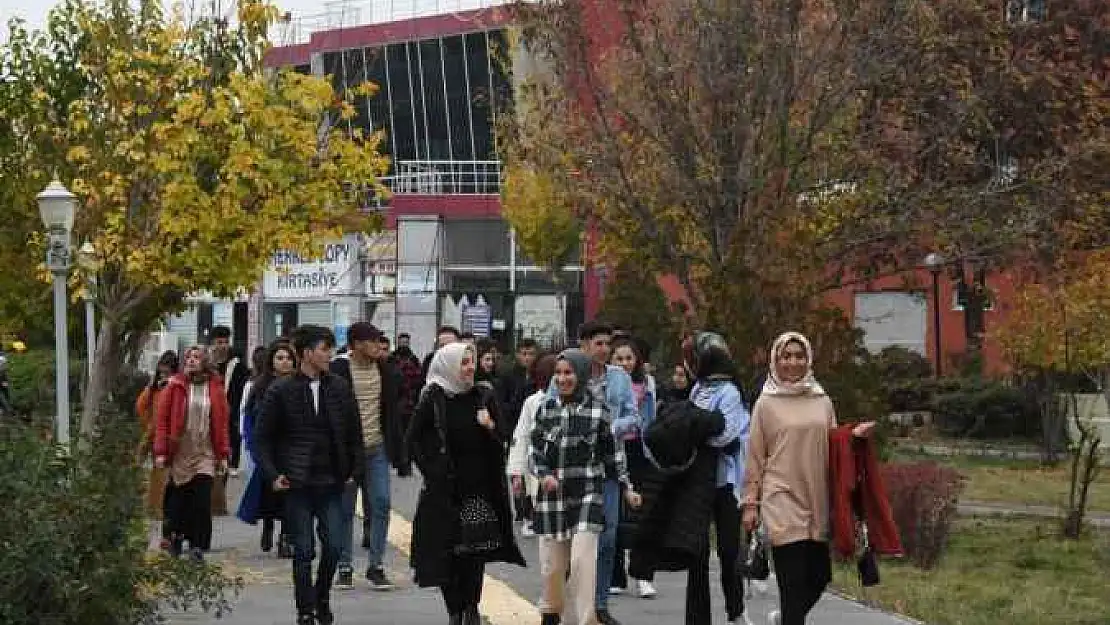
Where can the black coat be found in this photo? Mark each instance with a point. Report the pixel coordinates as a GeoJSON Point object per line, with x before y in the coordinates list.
{"type": "Point", "coordinates": [284, 435]}
{"type": "Point", "coordinates": [513, 388]}
{"type": "Point", "coordinates": [435, 525]}
{"type": "Point", "coordinates": [392, 425]}
{"type": "Point", "coordinates": [673, 527]}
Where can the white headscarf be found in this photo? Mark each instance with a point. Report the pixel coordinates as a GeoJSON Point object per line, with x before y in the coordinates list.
{"type": "Point", "coordinates": [445, 370]}
{"type": "Point", "coordinates": [808, 385]}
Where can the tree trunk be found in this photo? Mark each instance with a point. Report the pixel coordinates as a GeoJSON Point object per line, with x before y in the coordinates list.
{"type": "Point", "coordinates": [108, 361]}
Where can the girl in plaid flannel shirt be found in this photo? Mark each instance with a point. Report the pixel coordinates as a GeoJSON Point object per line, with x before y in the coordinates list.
{"type": "Point", "coordinates": [573, 450]}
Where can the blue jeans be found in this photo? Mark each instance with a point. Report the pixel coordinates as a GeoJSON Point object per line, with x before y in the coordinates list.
{"type": "Point", "coordinates": [375, 510]}
{"type": "Point", "coordinates": [322, 507]}
{"type": "Point", "coordinates": [607, 543]}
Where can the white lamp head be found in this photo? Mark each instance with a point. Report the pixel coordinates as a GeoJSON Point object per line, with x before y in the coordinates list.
{"type": "Point", "coordinates": [934, 261]}
{"type": "Point", "coordinates": [57, 207]}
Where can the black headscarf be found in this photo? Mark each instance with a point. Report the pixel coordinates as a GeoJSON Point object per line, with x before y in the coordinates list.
{"type": "Point", "coordinates": [712, 358]}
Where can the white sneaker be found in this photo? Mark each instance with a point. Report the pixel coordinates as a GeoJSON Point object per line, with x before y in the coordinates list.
{"type": "Point", "coordinates": [616, 590]}
{"type": "Point", "coordinates": [526, 530]}
{"type": "Point", "coordinates": [774, 618]}
{"type": "Point", "coordinates": [645, 590]}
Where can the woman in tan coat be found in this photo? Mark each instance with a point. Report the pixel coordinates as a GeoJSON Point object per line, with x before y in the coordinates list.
{"type": "Point", "coordinates": [786, 479]}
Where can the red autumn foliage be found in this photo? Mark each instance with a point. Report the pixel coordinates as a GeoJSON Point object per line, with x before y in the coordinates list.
{"type": "Point", "coordinates": [923, 496]}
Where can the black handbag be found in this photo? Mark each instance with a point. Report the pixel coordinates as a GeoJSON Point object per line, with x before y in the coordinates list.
{"type": "Point", "coordinates": [867, 564]}
{"type": "Point", "coordinates": [755, 564]}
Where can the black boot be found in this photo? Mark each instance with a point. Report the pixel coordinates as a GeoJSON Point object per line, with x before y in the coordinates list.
{"type": "Point", "coordinates": [455, 619]}
{"type": "Point", "coordinates": [177, 546]}
{"type": "Point", "coordinates": [285, 547]}
{"type": "Point", "coordinates": [550, 619]}
{"type": "Point", "coordinates": [471, 616]}
{"type": "Point", "coordinates": [267, 535]}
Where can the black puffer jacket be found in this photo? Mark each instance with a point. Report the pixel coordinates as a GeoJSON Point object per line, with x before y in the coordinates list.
{"type": "Point", "coordinates": [678, 494]}
{"type": "Point", "coordinates": [284, 434]}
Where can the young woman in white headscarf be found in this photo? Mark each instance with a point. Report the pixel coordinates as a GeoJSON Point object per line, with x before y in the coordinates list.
{"type": "Point", "coordinates": [786, 480]}
{"type": "Point", "coordinates": [464, 518]}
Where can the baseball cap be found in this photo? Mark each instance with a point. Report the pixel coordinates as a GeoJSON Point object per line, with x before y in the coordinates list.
{"type": "Point", "coordinates": [363, 331]}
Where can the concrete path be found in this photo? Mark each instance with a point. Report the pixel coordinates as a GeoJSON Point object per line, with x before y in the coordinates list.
{"type": "Point", "coordinates": [986, 508]}
{"type": "Point", "coordinates": [508, 599]}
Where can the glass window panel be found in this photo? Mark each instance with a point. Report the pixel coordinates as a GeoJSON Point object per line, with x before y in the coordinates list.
{"type": "Point", "coordinates": [404, 132]}
{"type": "Point", "coordinates": [418, 241]}
{"type": "Point", "coordinates": [476, 242]}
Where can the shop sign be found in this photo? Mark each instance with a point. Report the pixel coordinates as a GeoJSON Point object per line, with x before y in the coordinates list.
{"type": "Point", "coordinates": [292, 277]}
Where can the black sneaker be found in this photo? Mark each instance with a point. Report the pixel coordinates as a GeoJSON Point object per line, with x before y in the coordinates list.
{"type": "Point", "coordinates": [324, 615]}
{"type": "Point", "coordinates": [345, 578]}
{"type": "Point", "coordinates": [378, 580]}
{"type": "Point", "coordinates": [604, 618]}
{"type": "Point", "coordinates": [306, 619]}
{"type": "Point", "coordinates": [550, 619]}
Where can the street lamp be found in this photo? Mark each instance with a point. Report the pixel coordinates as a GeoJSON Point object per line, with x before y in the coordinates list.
{"type": "Point", "coordinates": [86, 257]}
{"type": "Point", "coordinates": [934, 262]}
{"type": "Point", "coordinates": [57, 207]}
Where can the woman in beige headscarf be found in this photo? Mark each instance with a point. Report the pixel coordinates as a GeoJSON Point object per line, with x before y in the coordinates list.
{"type": "Point", "coordinates": [786, 479]}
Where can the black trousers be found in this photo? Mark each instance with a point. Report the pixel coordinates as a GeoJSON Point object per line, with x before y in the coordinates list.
{"type": "Point", "coordinates": [188, 510]}
{"type": "Point", "coordinates": [522, 504]}
{"type": "Point", "coordinates": [803, 570]}
{"type": "Point", "coordinates": [236, 440]}
{"type": "Point", "coordinates": [464, 588]}
{"type": "Point", "coordinates": [726, 520]}
{"type": "Point", "coordinates": [638, 467]}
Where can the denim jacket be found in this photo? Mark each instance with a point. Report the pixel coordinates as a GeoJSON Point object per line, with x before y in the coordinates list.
{"type": "Point", "coordinates": [619, 399]}
{"type": "Point", "coordinates": [724, 396]}
{"type": "Point", "coordinates": [648, 405]}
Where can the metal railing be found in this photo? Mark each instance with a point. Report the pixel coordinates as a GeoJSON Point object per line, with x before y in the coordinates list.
{"type": "Point", "coordinates": [431, 178]}
{"type": "Point", "coordinates": [446, 177]}
{"type": "Point", "coordinates": [295, 28]}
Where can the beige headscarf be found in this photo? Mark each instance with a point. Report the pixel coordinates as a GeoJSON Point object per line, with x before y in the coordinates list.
{"type": "Point", "coordinates": [808, 385]}
{"type": "Point", "coordinates": [445, 370]}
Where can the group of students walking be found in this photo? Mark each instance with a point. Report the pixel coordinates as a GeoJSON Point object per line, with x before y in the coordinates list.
{"type": "Point", "coordinates": [579, 448]}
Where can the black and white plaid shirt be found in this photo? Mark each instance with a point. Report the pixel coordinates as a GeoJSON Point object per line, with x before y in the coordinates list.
{"type": "Point", "coordinates": [575, 444]}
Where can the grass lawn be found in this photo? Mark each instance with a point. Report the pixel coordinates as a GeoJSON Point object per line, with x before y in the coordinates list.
{"type": "Point", "coordinates": [1018, 481]}
{"type": "Point", "coordinates": [995, 572]}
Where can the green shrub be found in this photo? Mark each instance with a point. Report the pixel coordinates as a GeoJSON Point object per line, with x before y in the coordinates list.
{"type": "Point", "coordinates": [986, 410]}
{"type": "Point", "coordinates": [75, 545]}
{"type": "Point", "coordinates": [31, 380]}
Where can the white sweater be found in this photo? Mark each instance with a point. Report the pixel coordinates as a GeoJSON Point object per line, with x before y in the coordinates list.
{"type": "Point", "coordinates": [519, 463]}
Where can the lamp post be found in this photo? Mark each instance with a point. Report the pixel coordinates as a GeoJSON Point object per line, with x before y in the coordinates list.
{"type": "Point", "coordinates": [86, 256]}
{"type": "Point", "coordinates": [935, 262]}
{"type": "Point", "coordinates": [57, 207]}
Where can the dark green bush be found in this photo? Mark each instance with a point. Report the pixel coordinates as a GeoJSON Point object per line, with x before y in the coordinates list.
{"type": "Point", "coordinates": [31, 380]}
{"type": "Point", "coordinates": [986, 410]}
{"type": "Point", "coordinates": [901, 364]}
{"type": "Point", "coordinates": [74, 542]}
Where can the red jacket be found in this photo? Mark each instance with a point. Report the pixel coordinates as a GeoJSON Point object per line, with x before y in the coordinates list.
{"type": "Point", "coordinates": [854, 463]}
{"type": "Point", "coordinates": [173, 407]}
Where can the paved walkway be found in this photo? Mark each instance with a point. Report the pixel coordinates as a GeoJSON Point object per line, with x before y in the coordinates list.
{"type": "Point", "coordinates": [508, 598]}
{"type": "Point", "coordinates": [987, 508]}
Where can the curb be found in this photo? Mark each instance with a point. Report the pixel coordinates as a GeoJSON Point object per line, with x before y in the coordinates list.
{"type": "Point", "coordinates": [501, 605]}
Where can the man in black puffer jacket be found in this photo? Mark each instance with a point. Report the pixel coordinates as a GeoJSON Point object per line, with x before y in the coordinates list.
{"type": "Point", "coordinates": [309, 443]}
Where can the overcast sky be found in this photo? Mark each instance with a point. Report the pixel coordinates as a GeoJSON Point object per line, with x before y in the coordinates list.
{"type": "Point", "coordinates": [341, 12]}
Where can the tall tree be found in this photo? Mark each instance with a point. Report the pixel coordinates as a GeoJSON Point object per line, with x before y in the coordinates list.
{"type": "Point", "coordinates": [767, 152]}
{"type": "Point", "coordinates": [191, 164]}
{"type": "Point", "coordinates": [1058, 325]}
